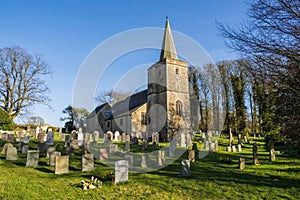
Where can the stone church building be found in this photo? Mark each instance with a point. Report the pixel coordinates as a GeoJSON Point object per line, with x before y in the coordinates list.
{"type": "Point", "coordinates": [164, 107]}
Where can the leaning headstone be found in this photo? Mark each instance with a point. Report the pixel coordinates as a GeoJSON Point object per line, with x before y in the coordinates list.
{"type": "Point", "coordinates": [87, 163]}
{"type": "Point", "coordinates": [5, 147]}
{"type": "Point", "coordinates": [161, 158]}
{"type": "Point", "coordinates": [121, 171]}
{"type": "Point", "coordinates": [185, 168]}
{"type": "Point", "coordinates": [255, 154]}
{"type": "Point", "coordinates": [103, 154]}
{"type": "Point", "coordinates": [129, 158]}
{"type": "Point", "coordinates": [123, 137]}
{"type": "Point", "coordinates": [52, 157]}
{"type": "Point", "coordinates": [145, 161]}
{"type": "Point", "coordinates": [117, 134]}
{"type": "Point", "coordinates": [191, 155]}
{"type": "Point", "coordinates": [241, 164]}
{"type": "Point", "coordinates": [49, 151]}
{"type": "Point", "coordinates": [127, 146]}
{"type": "Point", "coordinates": [233, 149]}
{"type": "Point", "coordinates": [12, 154]}
{"type": "Point", "coordinates": [135, 141]}
{"type": "Point", "coordinates": [239, 148]}
{"type": "Point", "coordinates": [182, 140]}
{"type": "Point", "coordinates": [32, 158]}
{"type": "Point", "coordinates": [61, 164]}
{"type": "Point", "coordinates": [25, 149]}
{"type": "Point", "coordinates": [42, 147]}
{"type": "Point", "coordinates": [10, 138]}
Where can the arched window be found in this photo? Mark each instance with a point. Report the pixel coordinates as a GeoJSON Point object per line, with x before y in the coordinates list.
{"type": "Point", "coordinates": [178, 108]}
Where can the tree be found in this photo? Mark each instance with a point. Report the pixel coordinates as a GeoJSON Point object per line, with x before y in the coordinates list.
{"type": "Point", "coordinates": [111, 97]}
{"type": "Point", "coordinates": [38, 121]}
{"type": "Point", "coordinates": [22, 81]}
{"type": "Point", "coordinates": [5, 121]}
{"type": "Point", "coordinates": [75, 117]}
{"type": "Point", "coordinates": [270, 40]}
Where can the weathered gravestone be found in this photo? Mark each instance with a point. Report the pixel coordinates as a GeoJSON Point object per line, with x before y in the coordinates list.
{"type": "Point", "coordinates": [96, 136]}
{"type": "Point", "coordinates": [228, 149]}
{"type": "Point", "coordinates": [135, 141]}
{"type": "Point", "coordinates": [185, 168]}
{"type": "Point", "coordinates": [42, 147]}
{"type": "Point", "coordinates": [52, 157]}
{"type": "Point", "coordinates": [233, 149]}
{"type": "Point", "coordinates": [11, 153]}
{"type": "Point", "coordinates": [110, 136]}
{"type": "Point", "coordinates": [80, 139]}
{"type": "Point", "coordinates": [67, 140]}
{"type": "Point", "coordinates": [5, 147]}
{"type": "Point", "coordinates": [61, 164]}
{"type": "Point", "coordinates": [103, 154]}
{"type": "Point", "coordinates": [121, 171]}
{"type": "Point", "coordinates": [241, 164]}
{"type": "Point", "coordinates": [74, 144]}
{"type": "Point", "coordinates": [49, 151]}
{"type": "Point", "coordinates": [182, 140]}
{"type": "Point", "coordinates": [255, 154]}
{"type": "Point", "coordinates": [206, 145]}
{"type": "Point", "coordinates": [239, 148]}
{"type": "Point", "coordinates": [25, 148]}
{"type": "Point", "coordinates": [50, 137]}
{"type": "Point", "coordinates": [129, 158]}
{"type": "Point", "coordinates": [145, 161]}
{"type": "Point", "coordinates": [161, 158]}
{"type": "Point", "coordinates": [87, 139]}
{"type": "Point", "coordinates": [113, 148]}
{"type": "Point", "coordinates": [10, 138]}
{"type": "Point", "coordinates": [271, 150]}
{"type": "Point", "coordinates": [70, 151]}
{"type": "Point", "coordinates": [191, 155]}
{"type": "Point", "coordinates": [216, 145]}
{"type": "Point", "coordinates": [123, 137]}
{"type": "Point", "coordinates": [117, 134]}
{"type": "Point", "coordinates": [4, 137]}
{"type": "Point", "coordinates": [32, 158]}
{"type": "Point", "coordinates": [127, 146]}
{"type": "Point", "coordinates": [87, 163]}
{"type": "Point", "coordinates": [155, 139]}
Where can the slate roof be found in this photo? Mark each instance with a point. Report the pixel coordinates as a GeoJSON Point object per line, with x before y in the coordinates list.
{"type": "Point", "coordinates": [106, 113]}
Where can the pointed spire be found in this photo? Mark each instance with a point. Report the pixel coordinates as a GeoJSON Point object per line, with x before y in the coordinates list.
{"type": "Point", "coordinates": [168, 48]}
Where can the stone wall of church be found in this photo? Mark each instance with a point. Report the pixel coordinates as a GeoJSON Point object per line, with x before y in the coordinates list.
{"type": "Point", "coordinates": [137, 126]}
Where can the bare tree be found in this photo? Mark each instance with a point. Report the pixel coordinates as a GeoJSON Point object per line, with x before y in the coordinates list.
{"type": "Point", "coordinates": [21, 83]}
{"type": "Point", "coordinates": [111, 97]}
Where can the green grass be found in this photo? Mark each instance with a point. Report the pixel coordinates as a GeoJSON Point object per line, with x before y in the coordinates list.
{"type": "Point", "coordinates": [210, 179]}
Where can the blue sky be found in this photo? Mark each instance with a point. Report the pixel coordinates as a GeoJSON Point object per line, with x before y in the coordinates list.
{"type": "Point", "coordinates": [64, 32]}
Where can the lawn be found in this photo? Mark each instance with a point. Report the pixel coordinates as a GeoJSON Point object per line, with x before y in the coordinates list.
{"type": "Point", "coordinates": [210, 179]}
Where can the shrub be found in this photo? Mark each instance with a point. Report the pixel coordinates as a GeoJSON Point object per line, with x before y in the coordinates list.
{"type": "Point", "coordinates": [5, 121]}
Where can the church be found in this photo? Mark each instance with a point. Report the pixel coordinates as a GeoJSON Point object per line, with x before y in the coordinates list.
{"type": "Point", "coordinates": [164, 107]}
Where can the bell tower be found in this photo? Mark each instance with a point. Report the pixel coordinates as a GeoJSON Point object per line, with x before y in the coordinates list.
{"type": "Point", "coordinates": [168, 105]}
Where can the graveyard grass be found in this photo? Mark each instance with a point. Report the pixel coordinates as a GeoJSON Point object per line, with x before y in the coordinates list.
{"type": "Point", "coordinates": [210, 178]}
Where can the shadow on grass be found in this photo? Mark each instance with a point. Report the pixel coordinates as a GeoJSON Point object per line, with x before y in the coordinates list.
{"type": "Point", "coordinates": [46, 170]}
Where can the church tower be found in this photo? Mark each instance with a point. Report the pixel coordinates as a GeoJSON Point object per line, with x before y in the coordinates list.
{"type": "Point", "coordinates": [168, 105]}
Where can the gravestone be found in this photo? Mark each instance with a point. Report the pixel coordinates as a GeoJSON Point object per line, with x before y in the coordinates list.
{"type": "Point", "coordinates": [182, 140]}
{"type": "Point", "coordinates": [144, 144]}
{"type": "Point", "coordinates": [10, 138]}
{"type": "Point", "coordinates": [11, 153]}
{"type": "Point", "coordinates": [123, 137]}
{"type": "Point", "coordinates": [96, 136]}
{"type": "Point", "coordinates": [241, 164]}
{"type": "Point", "coordinates": [113, 148]}
{"type": "Point", "coordinates": [49, 151]}
{"type": "Point", "coordinates": [25, 148]}
{"type": "Point", "coordinates": [233, 149]}
{"type": "Point", "coordinates": [103, 154]}
{"type": "Point", "coordinates": [105, 138]}
{"type": "Point", "coordinates": [239, 148]}
{"type": "Point", "coordinates": [117, 134]}
{"type": "Point", "coordinates": [228, 149]}
{"type": "Point", "coordinates": [155, 139]}
{"type": "Point", "coordinates": [255, 154]}
{"type": "Point", "coordinates": [32, 158]}
{"type": "Point", "coordinates": [61, 164]}
{"type": "Point", "coordinates": [188, 140]}
{"type": "Point", "coordinates": [80, 130]}
{"type": "Point", "coordinates": [272, 152]}
{"type": "Point", "coordinates": [5, 147]}
{"type": "Point", "coordinates": [70, 151]}
{"type": "Point", "coordinates": [127, 146]}
{"type": "Point", "coordinates": [87, 139]}
{"type": "Point", "coordinates": [191, 155]}
{"type": "Point", "coordinates": [4, 137]}
{"type": "Point", "coordinates": [40, 137]}
{"type": "Point", "coordinates": [121, 171]}
{"type": "Point", "coordinates": [231, 139]}
{"type": "Point", "coordinates": [216, 145]}
{"type": "Point", "coordinates": [42, 147]}
{"type": "Point", "coordinates": [50, 137]}
{"type": "Point", "coordinates": [145, 161]}
{"type": "Point", "coordinates": [52, 157]}
{"type": "Point", "coordinates": [119, 138]}
{"type": "Point", "coordinates": [129, 158]}
{"type": "Point", "coordinates": [74, 144]}
{"type": "Point", "coordinates": [87, 163]}
{"type": "Point", "coordinates": [206, 145]}
{"type": "Point", "coordinates": [86, 149]}
{"type": "Point", "coordinates": [212, 146]}
{"type": "Point", "coordinates": [172, 147]}
{"type": "Point", "coordinates": [185, 168]}
{"type": "Point", "coordinates": [67, 140]}
{"type": "Point", "coordinates": [161, 158]}
{"type": "Point", "coordinates": [135, 141]}
{"type": "Point", "coordinates": [245, 139]}
{"type": "Point", "coordinates": [127, 138]}
{"type": "Point", "coordinates": [203, 135]}
{"type": "Point", "coordinates": [110, 136]}
{"type": "Point", "coordinates": [80, 139]}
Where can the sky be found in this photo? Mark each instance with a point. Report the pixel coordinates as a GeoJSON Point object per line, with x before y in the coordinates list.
{"type": "Point", "coordinates": [66, 32]}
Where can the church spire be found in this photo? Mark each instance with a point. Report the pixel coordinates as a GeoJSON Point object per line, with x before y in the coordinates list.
{"type": "Point", "coordinates": [168, 48]}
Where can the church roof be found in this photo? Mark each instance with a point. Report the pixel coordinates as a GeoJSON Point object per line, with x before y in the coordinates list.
{"type": "Point", "coordinates": [130, 104]}
{"type": "Point", "coordinates": [168, 48]}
